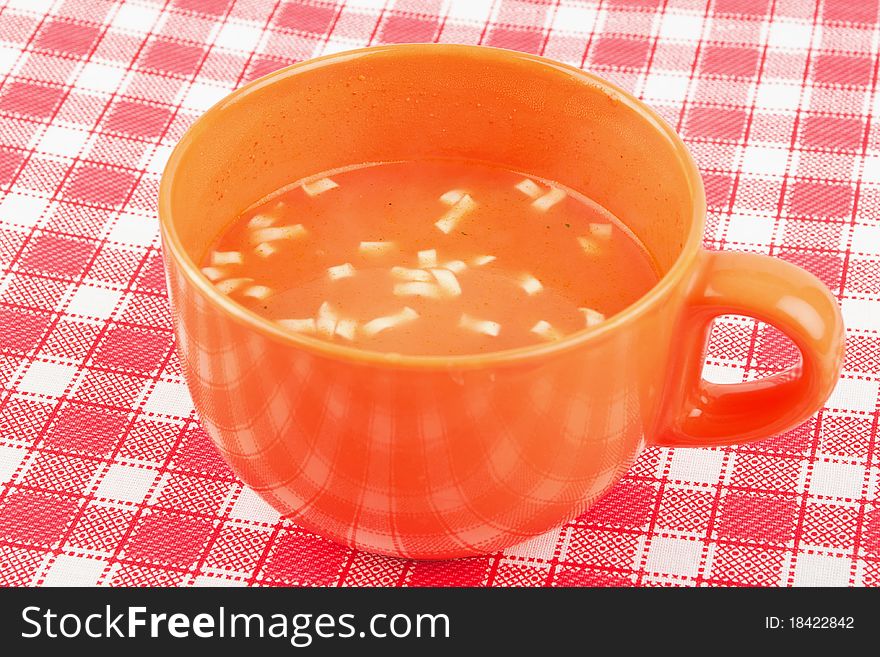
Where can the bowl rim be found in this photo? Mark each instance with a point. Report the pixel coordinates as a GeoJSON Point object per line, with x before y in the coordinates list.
{"type": "Point", "coordinates": [173, 247]}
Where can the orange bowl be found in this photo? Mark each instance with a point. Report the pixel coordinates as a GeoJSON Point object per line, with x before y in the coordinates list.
{"type": "Point", "coordinates": [437, 457]}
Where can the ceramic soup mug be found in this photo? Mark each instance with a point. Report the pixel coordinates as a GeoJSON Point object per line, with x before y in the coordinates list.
{"type": "Point", "coordinates": [437, 457]}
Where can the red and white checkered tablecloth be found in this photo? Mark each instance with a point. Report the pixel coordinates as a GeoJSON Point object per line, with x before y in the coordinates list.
{"type": "Point", "coordinates": [105, 475]}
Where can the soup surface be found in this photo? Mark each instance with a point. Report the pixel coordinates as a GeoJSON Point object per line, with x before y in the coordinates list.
{"type": "Point", "coordinates": [435, 257]}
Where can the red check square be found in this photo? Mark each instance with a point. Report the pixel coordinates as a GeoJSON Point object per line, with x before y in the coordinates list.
{"type": "Point", "coordinates": [172, 57]}
{"type": "Point", "coordinates": [82, 428]}
{"type": "Point", "coordinates": [18, 509]}
{"type": "Point", "coordinates": [132, 349]}
{"type": "Point", "coordinates": [20, 330]}
{"type": "Point", "coordinates": [620, 51]}
{"type": "Point", "coordinates": [63, 256]}
{"type": "Point", "coordinates": [408, 29]}
{"type": "Point", "coordinates": [759, 518]}
{"type": "Point", "coordinates": [210, 7]}
{"type": "Point", "coordinates": [833, 132]}
{"type": "Point", "coordinates": [138, 119]}
{"type": "Point", "coordinates": [471, 572]}
{"type": "Point", "coordinates": [863, 11]}
{"type": "Point", "coordinates": [843, 69]}
{"type": "Point", "coordinates": [304, 560]}
{"type": "Point", "coordinates": [69, 38]}
{"type": "Point", "coordinates": [514, 39]}
{"type": "Point", "coordinates": [723, 60]}
{"type": "Point", "coordinates": [31, 99]}
{"type": "Point", "coordinates": [745, 7]}
{"type": "Point", "coordinates": [167, 538]}
{"type": "Point", "coordinates": [305, 16]}
{"type": "Point", "coordinates": [716, 123]}
{"type": "Point", "coordinates": [100, 185]}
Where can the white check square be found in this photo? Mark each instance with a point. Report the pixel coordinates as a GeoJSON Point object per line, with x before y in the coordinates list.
{"type": "Point", "coordinates": [866, 239]}
{"type": "Point", "coordinates": [134, 229]}
{"type": "Point", "coordinates": [239, 37]}
{"type": "Point", "coordinates": [22, 209]}
{"type": "Point", "coordinates": [158, 159]}
{"type": "Point", "coordinates": [10, 458]}
{"type": "Point", "coordinates": [750, 229]}
{"type": "Point", "coordinates": [674, 556]}
{"type": "Point", "coordinates": [100, 77]}
{"type": "Point", "coordinates": [854, 395]}
{"type": "Point", "coordinates": [540, 547]}
{"type": "Point", "coordinates": [472, 10]}
{"type": "Point", "coordinates": [837, 480]}
{"type": "Point", "coordinates": [125, 483]}
{"type": "Point", "coordinates": [211, 582]}
{"type": "Point", "coordinates": [250, 506]}
{"type": "Point", "coordinates": [202, 96]}
{"type": "Point", "coordinates": [681, 26]}
{"type": "Point", "coordinates": [778, 95]}
{"type": "Point", "coordinates": [871, 169]}
{"type": "Point", "coordinates": [861, 314]}
{"type": "Point", "coordinates": [701, 466]}
{"type": "Point", "coordinates": [58, 140]}
{"type": "Point", "coordinates": [765, 160]}
{"type": "Point", "coordinates": [574, 19]}
{"type": "Point", "coordinates": [169, 399]}
{"type": "Point", "coordinates": [74, 571]}
{"type": "Point", "coordinates": [788, 34]}
{"type": "Point", "coordinates": [668, 87]}
{"type": "Point", "coordinates": [8, 58]}
{"type": "Point", "coordinates": [97, 302]}
{"type": "Point", "coordinates": [49, 379]}
{"type": "Point", "coordinates": [135, 18]}
{"type": "Point", "coordinates": [723, 373]}
{"type": "Point", "coordinates": [821, 570]}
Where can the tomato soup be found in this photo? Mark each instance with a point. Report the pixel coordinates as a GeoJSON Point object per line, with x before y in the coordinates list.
{"type": "Point", "coordinates": [435, 257]}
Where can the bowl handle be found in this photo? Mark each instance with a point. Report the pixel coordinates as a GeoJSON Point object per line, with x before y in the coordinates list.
{"type": "Point", "coordinates": [698, 413]}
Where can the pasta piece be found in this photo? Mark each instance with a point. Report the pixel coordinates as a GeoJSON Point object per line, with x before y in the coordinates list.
{"type": "Point", "coordinates": [407, 274]}
{"type": "Point", "coordinates": [299, 325]}
{"type": "Point", "coordinates": [600, 231]}
{"type": "Point", "coordinates": [546, 331]}
{"type": "Point", "coordinates": [265, 249]}
{"type": "Point", "coordinates": [380, 324]}
{"type": "Point", "coordinates": [548, 200]}
{"type": "Point", "coordinates": [447, 282]}
{"type": "Point", "coordinates": [529, 188]}
{"type": "Point", "coordinates": [483, 326]}
{"type": "Point", "coordinates": [530, 284]}
{"type": "Point", "coordinates": [417, 289]}
{"type": "Point", "coordinates": [451, 197]}
{"type": "Point", "coordinates": [589, 246]}
{"type": "Point", "coordinates": [591, 316]}
{"type": "Point", "coordinates": [260, 221]}
{"type": "Point", "coordinates": [258, 292]}
{"type": "Point", "coordinates": [427, 258]}
{"type": "Point", "coordinates": [479, 261]}
{"type": "Point", "coordinates": [375, 248]}
{"type": "Point", "coordinates": [448, 221]}
{"type": "Point", "coordinates": [325, 323]}
{"type": "Point", "coordinates": [319, 186]}
{"type": "Point", "coordinates": [213, 273]}
{"type": "Point", "coordinates": [344, 270]}
{"type": "Point", "coordinates": [455, 266]}
{"type": "Point", "coordinates": [226, 258]}
{"type": "Point", "coordinates": [230, 285]}
{"type": "Point", "coordinates": [346, 328]}
{"type": "Point", "coordinates": [277, 233]}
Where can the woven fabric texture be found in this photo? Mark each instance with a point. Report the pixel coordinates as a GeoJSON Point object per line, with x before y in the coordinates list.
{"type": "Point", "coordinates": [106, 477]}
